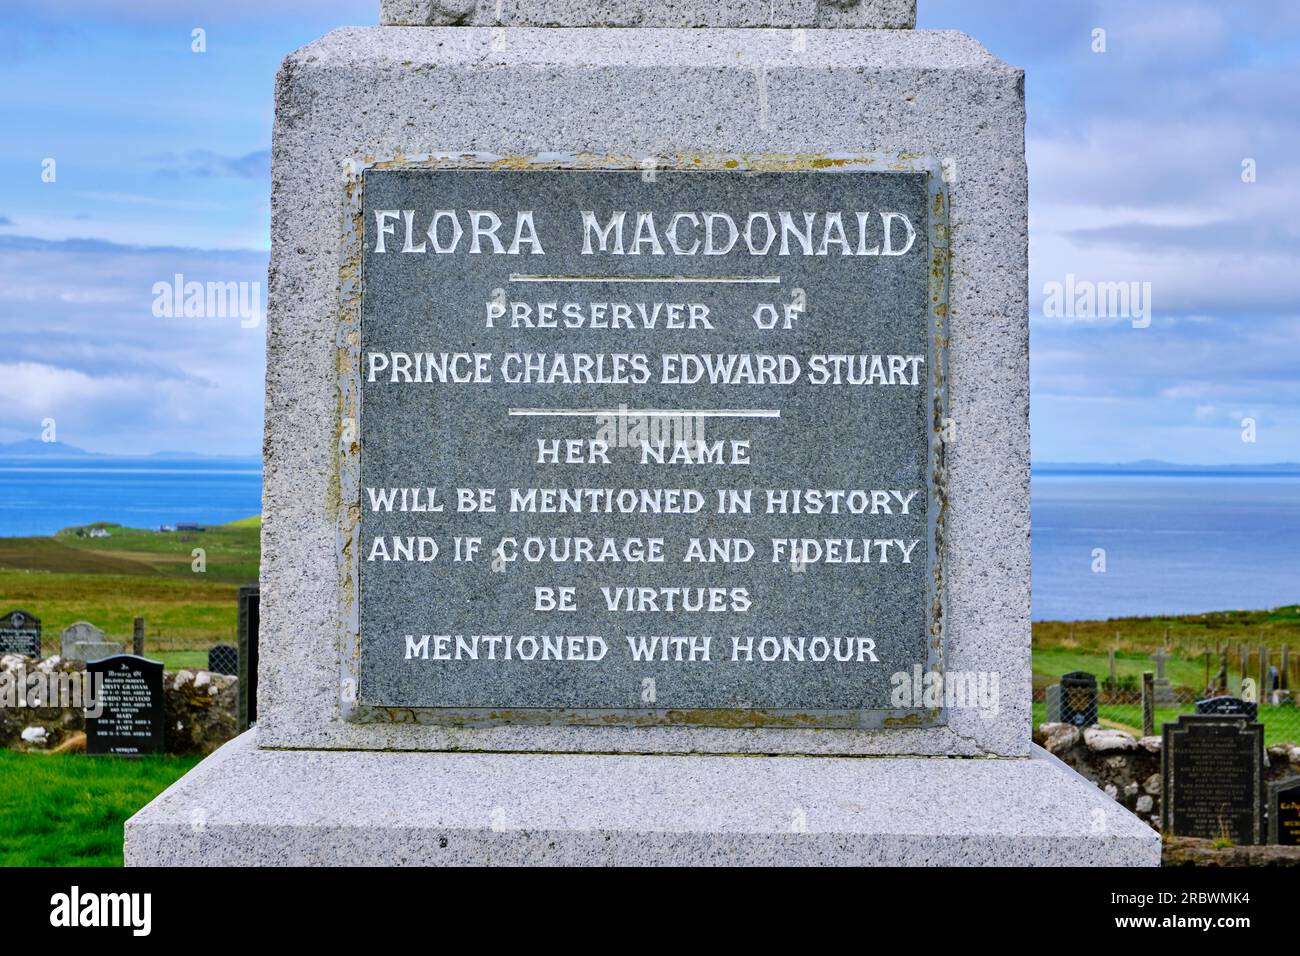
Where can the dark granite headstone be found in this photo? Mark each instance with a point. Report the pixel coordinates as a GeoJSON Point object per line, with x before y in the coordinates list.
{"type": "Point", "coordinates": [1211, 774]}
{"type": "Point", "coordinates": [1284, 812]}
{"type": "Point", "coordinates": [1228, 707]}
{"type": "Point", "coordinates": [132, 719]}
{"type": "Point", "coordinates": [249, 604]}
{"type": "Point", "coordinates": [223, 659]}
{"type": "Point", "coordinates": [20, 633]}
{"type": "Point", "coordinates": [1079, 698]}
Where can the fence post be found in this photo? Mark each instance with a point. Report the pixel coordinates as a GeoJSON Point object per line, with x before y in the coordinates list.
{"type": "Point", "coordinates": [1263, 674]}
{"type": "Point", "coordinates": [1113, 682]}
{"type": "Point", "coordinates": [1286, 667]}
{"type": "Point", "coordinates": [137, 637]}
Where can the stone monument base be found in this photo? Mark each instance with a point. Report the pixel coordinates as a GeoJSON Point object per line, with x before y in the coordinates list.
{"type": "Point", "coordinates": [249, 806]}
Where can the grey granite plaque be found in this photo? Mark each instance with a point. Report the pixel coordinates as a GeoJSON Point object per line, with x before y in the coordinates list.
{"type": "Point", "coordinates": [646, 445]}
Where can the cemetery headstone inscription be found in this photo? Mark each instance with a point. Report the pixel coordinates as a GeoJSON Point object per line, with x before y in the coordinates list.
{"type": "Point", "coordinates": [131, 721]}
{"type": "Point", "coordinates": [1284, 812]}
{"type": "Point", "coordinates": [1212, 769]}
{"type": "Point", "coordinates": [20, 633]}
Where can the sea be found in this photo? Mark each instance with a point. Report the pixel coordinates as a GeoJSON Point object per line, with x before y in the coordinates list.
{"type": "Point", "coordinates": [1105, 544]}
{"type": "Point", "coordinates": [39, 497]}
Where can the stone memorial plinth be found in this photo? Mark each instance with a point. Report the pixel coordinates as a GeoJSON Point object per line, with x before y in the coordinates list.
{"type": "Point", "coordinates": [647, 474]}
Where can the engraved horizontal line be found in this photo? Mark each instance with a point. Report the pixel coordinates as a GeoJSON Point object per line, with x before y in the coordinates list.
{"type": "Point", "coordinates": [699, 280]}
{"type": "Point", "coordinates": [646, 412]}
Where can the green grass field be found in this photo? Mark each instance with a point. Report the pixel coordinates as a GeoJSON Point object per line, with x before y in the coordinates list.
{"type": "Point", "coordinates": [135, 573]}
{"type": "Point", "coordinates": [68, 810]}
{"type": "Point", "coordinates": [1190, 633]}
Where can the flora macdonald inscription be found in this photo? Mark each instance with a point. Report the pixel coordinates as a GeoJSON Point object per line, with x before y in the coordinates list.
{"type": "Point", "coordinates": [644, 447]}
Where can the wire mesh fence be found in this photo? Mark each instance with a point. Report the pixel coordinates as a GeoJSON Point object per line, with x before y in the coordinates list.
{"type": "Point", "coordinates": [1121, 706]}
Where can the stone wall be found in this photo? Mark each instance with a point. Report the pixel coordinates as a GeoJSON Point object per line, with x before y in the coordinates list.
{"type": "Point", "coordinates": [198, 711]}
{"type": "Point", "coordinates": [1128, 767]}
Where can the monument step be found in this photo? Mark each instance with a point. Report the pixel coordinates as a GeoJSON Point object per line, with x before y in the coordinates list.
{"type": "Point", "coordinates": [245, 806]}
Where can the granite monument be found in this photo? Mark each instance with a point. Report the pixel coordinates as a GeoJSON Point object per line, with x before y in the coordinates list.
{"type": "Point", "coordinates": [650, 447]}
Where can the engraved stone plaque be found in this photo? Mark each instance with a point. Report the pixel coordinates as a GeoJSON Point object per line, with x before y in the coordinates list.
{"type": "Point", "coordinates": [637, 445]}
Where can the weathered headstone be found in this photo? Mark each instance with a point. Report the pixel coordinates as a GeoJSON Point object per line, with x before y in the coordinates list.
{"type": "Point", "coordinates": [83, 641]}
{"type": "Point", "coordinates": [1284, 812]}
{"type": "Point", "coordinates": [1228, 707]}
{"type": "Point", "coordinates": [1079, 698]}
{"type": "Point", "coordinates": [131, 723]}
{"type": "Point", "coordinates": [656, 413]}
{"type": "Point", "coordinates": [1211, 771]}
{"type": "Point", "coordinates": [20, 633]}
{"type": "Point", "coordinates": [1162, 690]}
{"type": "Point", "coordinates": [246, 706]}
{"type": "Point", "coordinates": [1052, 698]}
{"type": "Point", "coordinates": [223, 659]}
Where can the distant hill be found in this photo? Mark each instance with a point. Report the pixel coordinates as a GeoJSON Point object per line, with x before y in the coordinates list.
{"type": "Point", "coordinates": [32, 448]}
{"type": "Point", "coordinates": [1151, 466]}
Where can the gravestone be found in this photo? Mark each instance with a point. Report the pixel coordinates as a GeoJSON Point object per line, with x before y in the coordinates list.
{"type": "Point", "coordinates": [20, 633]}
{"type": "Point", "coordinates": [1079, 698]}
{"type": "Point", "coordinates": [1052, 697]}
{"type": "Point", "coordinates": [1229, 707]}
{"type": "Point", "coordinates": [1284, 812]}
{"type": "Point", "coordinates": [1163, 693]}
{"type": "Point", "coordinates": [223, 659]}
{"type": "Point", "coordinates": [1211, 772]}
{"type": "Point", "coordinates": [246, 706]}
{"type": "Point", "coordinates": [647, 439]}
{"type": "Point", "coordinates": [131, 722]}
{"type": "Point", "coordinates": [83, 641]}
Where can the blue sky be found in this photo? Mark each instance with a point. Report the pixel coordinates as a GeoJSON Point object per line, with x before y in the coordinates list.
{"type": "Point", "coordinates": [162, 167]}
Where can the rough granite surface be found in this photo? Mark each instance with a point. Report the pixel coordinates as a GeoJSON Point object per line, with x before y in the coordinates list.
{"type": "Point", "coordinates": [247, 806]}
{"type": "Point", "coordinates": [892, 14]}
{"type": "Point", "coordinates": [371, 92]}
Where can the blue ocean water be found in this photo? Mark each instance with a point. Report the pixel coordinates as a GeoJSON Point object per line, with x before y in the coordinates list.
{"type": "Point", "coordinates": [42, 496]}
{"type": "Point", "coordinates": [1174, 543]}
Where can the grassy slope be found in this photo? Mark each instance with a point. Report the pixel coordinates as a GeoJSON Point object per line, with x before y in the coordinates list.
{"type": "Point", "coordinates": [1192, 632]}
{"type": "Point", "coordinates": [68, 810]}
{"type": "Point", "coordinates": [109, 581]}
